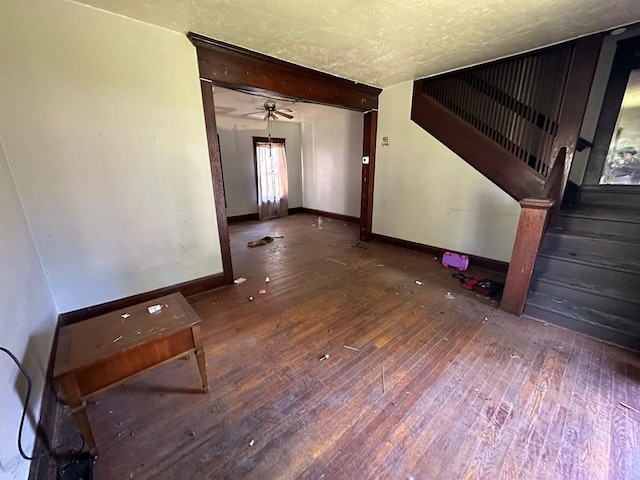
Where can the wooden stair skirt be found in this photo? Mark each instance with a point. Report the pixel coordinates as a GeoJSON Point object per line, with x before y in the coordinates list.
{"type": "Point", "coordinates": [514, 122]}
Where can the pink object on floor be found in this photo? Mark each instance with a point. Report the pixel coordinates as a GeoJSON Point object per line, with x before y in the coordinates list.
{"type": "Point", "coordinates": [455, 260]}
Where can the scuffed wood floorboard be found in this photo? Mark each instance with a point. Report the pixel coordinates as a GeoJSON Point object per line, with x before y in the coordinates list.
{"type": "Point", "coordinates": [469, 391]}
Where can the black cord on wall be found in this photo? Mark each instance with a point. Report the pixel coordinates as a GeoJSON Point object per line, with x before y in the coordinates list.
{"type": "Point", "coordinates": [24, 410]}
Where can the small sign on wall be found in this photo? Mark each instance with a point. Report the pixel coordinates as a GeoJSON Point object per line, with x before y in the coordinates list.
{"type": "Point", "coordinates": [365, 160]}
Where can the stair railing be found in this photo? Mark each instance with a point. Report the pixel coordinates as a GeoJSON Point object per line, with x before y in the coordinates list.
{"type": "Point", "coordinates": [535, 215]}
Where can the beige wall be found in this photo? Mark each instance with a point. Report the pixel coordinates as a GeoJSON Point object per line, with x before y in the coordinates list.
{"type": "Point", "coordinates": [425, 193]}
{"type": "Point", "coordinates": [103, 127]}
{"type": "Point", "coordinates": [238, 164]}
{"type": "Point", "coordinates": [27, 322]}
{"type": "Point", "coordinates": [332, 163]}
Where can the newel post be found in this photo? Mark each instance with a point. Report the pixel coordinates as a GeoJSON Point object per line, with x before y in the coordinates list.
{"type": "Point", "coordinates": [534, 215]}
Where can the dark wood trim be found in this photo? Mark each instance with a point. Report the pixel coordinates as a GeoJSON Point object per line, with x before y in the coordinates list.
{"type": "Point", "coordinates": [534, 216]}
{"type": "Point", "coordinates": [191, 287]}
{"type": "Point", "coordinates": [216, 178]}
{"type": "Point", "coordinates": [624, 61]}
{"type": "Point", "coordinates": [322, 213]}
{"type": "Point", "coordinates": [266, 140]}
{"type": "Point", "coordinates": [296, 210]}
{"type": "Point", "coordinates": [248, 217]}
{"type": "Point", "coordinates": [482, 262]}
{"type": "Point", "coordinates": [481, 152]}
{"type": "Point", "coordinates": [574, 104]}
{"type": "Point", "coordinates": [239, 68]}
{"type": "Point", "coordinates": [369, 143]}
{"type": "Point", "coordinates": [50, 407]}
{"type": "Point", "coordinates": [235, 67]}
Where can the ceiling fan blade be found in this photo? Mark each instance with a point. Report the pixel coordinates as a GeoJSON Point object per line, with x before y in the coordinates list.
{"type": "Point", "coordinates": [285, 115]}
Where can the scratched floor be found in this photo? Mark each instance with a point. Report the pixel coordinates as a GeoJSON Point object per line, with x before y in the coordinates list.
{"type": "Point", "coordinates": [438, 388]}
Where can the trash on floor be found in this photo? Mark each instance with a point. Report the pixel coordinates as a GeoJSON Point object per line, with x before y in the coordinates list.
{"type": "Point", "coordinates": [324, 357]}
{"type": "Point", "coordinates": [125, 315]}
{"type": "Point", "coordinates": [252, 443]}
{"type": "Point", "coordinates": [448, 296]}
{"type": "Point", "coordinates": [259, 243]}
{"type": "Point", "coordinates": [540, 388]}
{"type": "Point", "coordinates": [250, 298]}
{"type": "Point", "coordinates": [262, 291]}
{"type": "Point", "coordinates": [266, 279]}
{"type": "Point", "coordinates": [239, 280]}
{"type": "Point", "coordinates": [455, 260]}
{"type": "Point", "coordinates": [483, 286]}
{"type": "Point", "coordinates": [336, 261]}
{"type": "Point", "coordinates": [154, 308]}
{"type": "Point", "coordinates": [418, 282]}
{"type": "Point", "coordinates": [351, 348]}
{"type": "Point", "coordinates": [320, 223]}
{"type": "Point", "coordinates": [262, 241]}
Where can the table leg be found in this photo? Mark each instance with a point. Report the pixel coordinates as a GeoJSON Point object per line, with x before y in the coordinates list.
{"type": "Point", "coordinates": [202, 363]}
{"type": "Point", "coordinates": [79, 410]}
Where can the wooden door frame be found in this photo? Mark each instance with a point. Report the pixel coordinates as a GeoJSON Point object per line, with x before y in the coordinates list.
{"type": "Point", "coordinates": [624, 61]}
{"type": "Point", "coordinates": [234, 67]}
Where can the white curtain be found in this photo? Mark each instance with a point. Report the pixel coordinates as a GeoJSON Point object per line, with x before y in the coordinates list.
{"type": "Point", "coordinates": [273, 190]}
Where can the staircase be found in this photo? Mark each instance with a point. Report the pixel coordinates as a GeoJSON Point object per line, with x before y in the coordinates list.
{"type": "Point", "coordinates": [587, 273]}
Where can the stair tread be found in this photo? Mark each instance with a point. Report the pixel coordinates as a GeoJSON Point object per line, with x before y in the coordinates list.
{"type": "Point", "coordinates": [611, 189]}
{"type": "Point", "coordinates": [603, 212]}
{"type": "Point", "coordinates": [630, 264]}
{"type": "Point", "coordinates": [596, 317]}
{"type": "Point", "coordinates": [605, 237]}
{"type": "Point", "coordinates": [628, 293]}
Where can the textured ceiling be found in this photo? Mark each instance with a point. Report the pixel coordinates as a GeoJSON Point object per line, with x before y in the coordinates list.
{"type": "Point", "coordinates": [383, 42]}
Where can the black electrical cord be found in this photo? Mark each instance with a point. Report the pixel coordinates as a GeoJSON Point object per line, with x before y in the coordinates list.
{"type": "Point", "coordinates": [24, 411]}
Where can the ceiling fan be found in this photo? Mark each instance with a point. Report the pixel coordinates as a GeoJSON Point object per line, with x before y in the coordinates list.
{"type": "Point", "coordinates": [272, 112]}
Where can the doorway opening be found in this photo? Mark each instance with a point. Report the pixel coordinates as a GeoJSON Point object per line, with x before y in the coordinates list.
{"type": "Point", "coordinates": [614, 155]}
{"type": "Point", "coordinates": [234, 67]}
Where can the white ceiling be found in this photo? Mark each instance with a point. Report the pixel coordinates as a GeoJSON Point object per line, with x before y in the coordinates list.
{"type": "Point", "coordinates": [231, 103]}
{"type": "Point", "coordinates": [383, 42]}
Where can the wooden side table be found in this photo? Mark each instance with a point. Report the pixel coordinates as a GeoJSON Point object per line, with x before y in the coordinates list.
{"type": "Point", "coordinates": [103, 351]}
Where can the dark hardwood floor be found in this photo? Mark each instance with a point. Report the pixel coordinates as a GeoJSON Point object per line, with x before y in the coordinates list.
{"type": "Point", "coordinates": [438, 388]}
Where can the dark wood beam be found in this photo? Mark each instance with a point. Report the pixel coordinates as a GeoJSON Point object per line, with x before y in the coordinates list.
{"type": "Point", "coordinates": [216, 177]}
{"type": "Point", "coordinates": [236, 67]}
{"type": "Point", "coordinates": [368, 174]}
{"type": "Point", "coordinates": [583, 67]}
